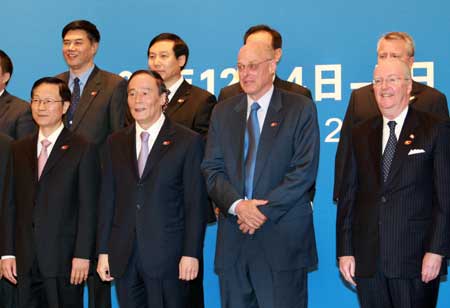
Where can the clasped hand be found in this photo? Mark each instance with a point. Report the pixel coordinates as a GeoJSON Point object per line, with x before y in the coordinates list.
{"type": "Point", "coordinates": [250, 218]}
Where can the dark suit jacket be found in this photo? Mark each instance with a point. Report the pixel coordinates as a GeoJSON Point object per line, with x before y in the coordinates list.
{"type": "Point", "coordinates": [191, 106]}
{"type": "Point", "coordinates": [285, 171]}
{"type": "Point", "coordinates": [5, 151]}
{"type": "Point", "coordinates": [235, 89]}
{"type": "Point", "coordinates": [15, 116]}
{"type": "Point", "coordinates": [51, 220]}
{"type": "Point", "coordinates": [164, 212]}
{"type": "Point", "coordinates": [102, 106]}
{"type": "Point", "coordinates": [395, 223]}
{"type": "Point", "coordinates": [362, 106]}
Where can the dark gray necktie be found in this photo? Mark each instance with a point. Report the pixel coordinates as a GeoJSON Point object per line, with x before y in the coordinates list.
{"type": "Point", "coordinates": [252, 141]}
{"type": "Point", "coordinates": [389, 151]}
{"type": "Point", "coordinates": [76, 94]}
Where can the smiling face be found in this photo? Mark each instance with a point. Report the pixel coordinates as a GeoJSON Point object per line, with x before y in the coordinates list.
{"type": "Point", "coordinates": [79, 51]}
{"type": "Point", "coordinates": [47, 107]}
{"type": "Point", "coordinates": [162, 59]}
{"type": "Point", "coordinates": [144, 100]}
{"type": "Point", "coordinates": [392, 87]}
{"type": "Point", "coordinates": [256, 66]}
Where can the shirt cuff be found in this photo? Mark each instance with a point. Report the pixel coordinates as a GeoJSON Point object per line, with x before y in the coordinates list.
{"type": "Point", "coordinates": [8, 257]}
{"type": "Point", "coordinates": [232, 209]}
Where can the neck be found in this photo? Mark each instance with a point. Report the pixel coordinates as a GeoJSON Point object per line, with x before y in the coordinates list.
{"type": "Point", "coordinates": [77, 71]}
{"type": "Point", "coordinates": [172, 81]}
{"type": "Point", "coordinates": [47, 131]}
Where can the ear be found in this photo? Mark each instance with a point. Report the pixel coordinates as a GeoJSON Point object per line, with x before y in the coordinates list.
{"type": "Point", "coordinates": [66, 105]}
{"type": "Point", "coordinates": [278, 54]}
{"type": "Point", "coordinates": [410, 62]}
{"type": "Point", "coordinates": [95, 47]}
{"type": "Point", "coordinates": [181, 61]}
{"type": "Point", "coordinates": [273, 66]}
{"type": "Point", "coordinates": [5, 78]}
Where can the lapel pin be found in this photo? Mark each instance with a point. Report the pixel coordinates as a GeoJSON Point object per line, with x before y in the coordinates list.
{"type": "Point", "coordinates": [180, 101]}
{"type": "Point", "coordinates": [166, 142]}
{"type": "Point", "coordinates": [64, 147]}
{"type": "Point", "coordinates": [93, 93]}
{"type": "Point", "coordinates": [273, 124]}
{"type": "Point", "coordinates": [412, 136]}
{"type": "Point", "coordinates": [408, 142]}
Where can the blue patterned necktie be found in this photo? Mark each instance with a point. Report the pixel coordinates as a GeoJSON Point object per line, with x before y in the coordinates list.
{"type": "Point", "coordinates": [76, 94]}
{"type": "Point", "coordinates": [252, 140]}
{"type": "Point", "coordinates": [389, 151]}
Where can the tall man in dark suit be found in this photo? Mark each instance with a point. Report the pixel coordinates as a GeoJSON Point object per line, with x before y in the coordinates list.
{"type": "Point", "coordinates": [261, 160]}
{"type": "Point", "coordinates": [98, 108]}
{"type": "Point", "coordinates": [393, 219]}
{"type": "Point", "coordinates": [153, 203]}
{"type": "Point", "coordinates": [15, 114]}
{"type": "Point", "coordinates": [265, 34]}
{"type": "Point", "coordinates": [48, 221]}
{"type": "Point", "coordinates": [188, 105]}
{"type": "Point", "coordinates": [362, 104]}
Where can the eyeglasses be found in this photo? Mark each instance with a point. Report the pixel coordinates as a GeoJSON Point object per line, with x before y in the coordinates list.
{"type": "Point", "coordinates": [45, 101]}
{"type": "Point", "coordinates": [390, 81]}
{"type": "Point", "coordinates": [251, 66]}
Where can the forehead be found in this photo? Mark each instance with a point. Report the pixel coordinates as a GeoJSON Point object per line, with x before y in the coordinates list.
{"type": "Point", "coordinates": [142, 81]}
{"type": "Point", "coordinates": [47, 89]}
{"type": "Point", "coordinates": [160, 46]}
{"type": "Point", "coordinates": [250, 54]}
{"type": "Point", "coordinates": [389, 69]}
{"type": "Point", "coordinates": [392, 46]}
{"type": "Point", "coordinates": [260, 36]}
{"type": "Point", "coordinates": [76, 34]}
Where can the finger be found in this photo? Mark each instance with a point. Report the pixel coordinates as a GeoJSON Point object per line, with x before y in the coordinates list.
{"type": "Point", "coordinates": [251, 231]}
{"type": "Point", "coordinates": [14, 266]}
{"type": "Point", "coordinates": [259, 202]}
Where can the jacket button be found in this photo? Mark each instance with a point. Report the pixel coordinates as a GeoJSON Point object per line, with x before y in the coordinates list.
{"type": "Point", "coordinates": [383, 199]}
{"type": "Point", "coordinates": [138, 206]}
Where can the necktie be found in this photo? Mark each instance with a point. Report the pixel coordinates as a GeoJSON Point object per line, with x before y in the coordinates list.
{"type": "Point", "coordinates": [143, 154]}
{"type": "Point", "coordinates": [75, 100]}
{"type": "Point", "coordinates": [43, 156]}
{"type": "Point", "coordinates": [389, 151]}
{"type": "Point", "coordinates": [252, 140]}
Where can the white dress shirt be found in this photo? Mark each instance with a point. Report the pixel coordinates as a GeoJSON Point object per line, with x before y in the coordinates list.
{"type": "Point", "coordinates": [153, 132]}
{"type": "Point", "coordinates": [400, 119]}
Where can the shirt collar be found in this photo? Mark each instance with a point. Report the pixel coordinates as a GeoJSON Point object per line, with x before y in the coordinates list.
{"type": "Point", "coordinates": [53, 136]}
{"type": "Point", "coordinates": [2, 91]}
{"type": "Point", "coordinates": [83, 77]}
{"type": "Point", "coordinates": [263, 101]}
{"type": "Point", "coordinates": [152, 130]}
{"type": "Point", "coordinates": [400, 119]}
{"type": "Point", "coordinates": [174, 88]}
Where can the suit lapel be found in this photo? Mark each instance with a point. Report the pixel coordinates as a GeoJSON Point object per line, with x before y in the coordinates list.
{"type": "Point", "coordinates": [90, 91]}
{"type": "Point", "coordinates": [62, 145]}
{"type": "Point", "coordinates": [162, 143]}
{"type": "Point", "coordinates": [269, 132]}
{"type": "Point", "coordinates": [402, 148]}
{"type": "Point", "coordinates": [237, 130]}
{"type": "Point", "coordinates": [31, 154]}
{"type": "Point", "coordinates": [4, 103]}
{"type": "Point", "coordinates": [180, 97]}
{"type": "Point", "coordinates": [129, 149]}
{"type": "Point", "coordinates": [375, 139]}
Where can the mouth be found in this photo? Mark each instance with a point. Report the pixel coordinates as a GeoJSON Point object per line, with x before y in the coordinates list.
{"type": "Point", "coordinates": [139, 109]}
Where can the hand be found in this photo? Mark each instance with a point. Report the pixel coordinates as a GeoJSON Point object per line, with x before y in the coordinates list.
{"type": "Point", "coordinates": [431, 265]}
{"type": "Point", "coordinates": [9, 269]}
{"type": "Point", "coordinates": [188, 268]}
{"type": "Point", "coordinates": [347, 268]}
{"type": "Point", "coordinates": [248, 212]}
{"type": "Point", "coordinates": [80, 270]}
{"type": "Point", "coordinates": [103, 268]}
{"type": "Point", "coordinates": [245, 228]}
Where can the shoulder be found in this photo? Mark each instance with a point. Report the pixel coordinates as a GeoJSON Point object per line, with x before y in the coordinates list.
{"type": "Point", "coordinates": [292, 87]}
{"type": "Point", "coordinates": [229, 91]}
{"type": "Point", "coordinates": [109, 77]}
{"type": "Point", "coordinates": [199, 92]}
{"type": "Point", "coordinates": [428, 92]}
{"type": "Point", "coordinates": [17, 103]}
